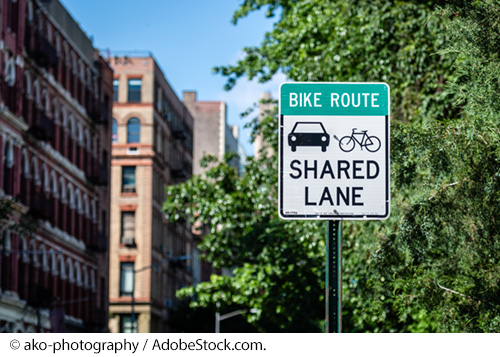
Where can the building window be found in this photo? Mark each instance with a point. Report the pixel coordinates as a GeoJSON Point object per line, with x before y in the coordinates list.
{"type": "Point", "coordinates": [128, 228]}
{"type": "Point", "coordinates": [128, 178]}
{"type": "Point", "coordinates": [114, 128]}
{"type": "Point", "coordinates": [8, 168]}
{"type": "Point", "coordinates": [126, 278]}
{"type": "Point", "coordinates": [134, 90]}
{"type": "Point", "coordinates": [133, 131]}
{"type": "Point", "coordinates": [116, 82]}
{"type": "Point", "coordinates": [13, 15]}
{"type": "Point", "coordinates": [126, 325]}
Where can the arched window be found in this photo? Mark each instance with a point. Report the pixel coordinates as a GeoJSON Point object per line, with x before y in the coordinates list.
{"type": "Point", "coordinates": [37, 93]}
{"type": "Point", "coordinates": [62, 190]}
{"type": "Point", "coordinates": [114, 127]}
{"type": "Point", "coordinates": [60, 262]}
{"type": "Point", "coordinates": [25, 163]}
{"type": "Point", "coordinates": [45, 101]}
{"type": "Point", "coordinates": [53, 262]}
{"type": "Point", "coordinates": [81, 69]}
{"type": "Point", "coordinates": [86, 208]}
{"type": "Point", "coordinates": [45, 183]}
{"type": "Point", "coordinates": [93, 211]}
{"type": "Point", "coordinates": [69, 271]}
{"type": "Point", "coordinates": [45, 259]}
{"type": "Point", "coordinates": [10, 70]}
{"type": "Point", "coordinates": [92, 280]}
{"type": "Point", "coordinates": [53, 184]}
{"type": "Point", "coordinates": [133, 131]}
{"type": "Point", "coordinates": [27, 89]}
{"type": "Point", "coordinates": [33, 249]}
{"type": "Point", "coordinates": [89, 79]}
{"type": "Point", "coordinates": [85, 274]}
{"type": "Point", "coordinates": [8, 167]}
{"type": "Point", "coordinates": [79, 134]}
{"type": "Point", "coordinates": [71, 196]}
{"type": "Point", "coordinates": [31, 13]}
{"type": "Point", "coordinates": [6, 262]}
{"type": "Point", "coordinates": [58, 44]}
{"type": "Point", "coordinates": [74, 68]}
{"type": "Point", "coordinates": [78, 274]}
{"type": "Point", "coordinates": [7, 244]}
{"type": "Point", "coordinates": [35, 173]}
{"type": "Point", "coordinates": [66, 54]}
{"type": "Point", "coordinates": [78, 201]}
{"type": "Point", "coordinates": [55, 111]}
{"type": "Point", "coordinates": [88, 141]}
{"type": "Point", "coordinates": [25, 257]}
{"type": "Point", "coordinates": [72, 126]}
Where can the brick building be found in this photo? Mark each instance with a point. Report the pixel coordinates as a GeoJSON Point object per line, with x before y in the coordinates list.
{"type": "Point", "coordinates": [150, 258]}
{"type": "Point", "coordinates": [55, 141]}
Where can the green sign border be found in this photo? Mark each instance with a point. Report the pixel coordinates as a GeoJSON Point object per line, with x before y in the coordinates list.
{"type": "Point", "coordinates": [349, 93]}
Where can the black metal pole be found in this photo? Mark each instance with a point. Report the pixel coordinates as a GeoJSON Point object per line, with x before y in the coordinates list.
{"type": "Point", "coordinates": [333, 294]}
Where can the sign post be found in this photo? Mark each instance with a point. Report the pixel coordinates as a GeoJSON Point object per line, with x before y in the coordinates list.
{"type": "Point", "coordinates": [333, 292]}
{"type": "Point", "coordinates": [334, 163]}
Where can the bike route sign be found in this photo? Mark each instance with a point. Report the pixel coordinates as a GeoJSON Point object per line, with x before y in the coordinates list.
{"type": "Point", "coordinates": [334, 151]}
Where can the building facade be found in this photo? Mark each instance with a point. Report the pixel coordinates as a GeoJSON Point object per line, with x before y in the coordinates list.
{"type": "Point", "coordinates": [212, 135]}
{"type": "Point", "coordinates": [152, 147]}
{"type": "Point", "coordinates": [55, 140]}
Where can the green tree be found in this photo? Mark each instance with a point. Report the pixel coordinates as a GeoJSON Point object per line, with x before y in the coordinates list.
{"type": "Point", "coordinates": [448, 238]}
{"type": "Point", "coordinates": [276, 263]}
{"type": "Point", "coordinates": [363, 40]}
{"type": "Point", "coordinates": [433, 265]}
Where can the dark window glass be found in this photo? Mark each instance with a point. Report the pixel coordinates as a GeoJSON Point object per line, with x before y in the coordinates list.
{"type": "Point", "coordinates": [128, 228]}
{"type": "Point", "coordinates": [128, 179]}
{"type": "Point", "coordinates": [133, 131]}
{"type": "Point", "coordinates": [126, 278]}
{"type": "Point", "coordinates": [134, 90]}
{"type": "Point", "coordinates": [13, 15]}
{"type": "Point", "coordinates": [126, 324]}
{"type": "Point", "coordinates": [114, 128]}
{"type": "Point", "coordinates": [115, 89]}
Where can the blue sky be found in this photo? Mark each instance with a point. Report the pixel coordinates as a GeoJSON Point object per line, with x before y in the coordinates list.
{"type": "Point", "coordinates": [187, 38]}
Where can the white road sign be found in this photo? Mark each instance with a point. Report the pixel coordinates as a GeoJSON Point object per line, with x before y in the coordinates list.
{"type": "Point", "coordinates": [334, 151]}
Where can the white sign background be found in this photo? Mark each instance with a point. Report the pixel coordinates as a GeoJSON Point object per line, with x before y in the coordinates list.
{"type": "Point", "coordinates": [373, 193]}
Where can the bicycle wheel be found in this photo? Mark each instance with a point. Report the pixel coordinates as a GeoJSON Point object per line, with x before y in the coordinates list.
{"type": "Point", "coordinates": [373, 144]}
{"type": "Point", "coordinates": [347, 144]}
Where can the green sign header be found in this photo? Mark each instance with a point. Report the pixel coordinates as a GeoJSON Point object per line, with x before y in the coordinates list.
{"type": "Point", "coordinates": [334, 98]}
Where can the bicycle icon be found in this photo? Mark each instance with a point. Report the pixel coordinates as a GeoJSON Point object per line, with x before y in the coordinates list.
{"type": "Point", "coordinates": [371, 143]}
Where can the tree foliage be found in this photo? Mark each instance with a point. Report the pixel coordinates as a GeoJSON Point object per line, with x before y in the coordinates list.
{"type": "Point", "coordinates": [397, 42]}
{"type": "Point", "coordinates": [274, 261]}
{"type": "Point", "coordinates": [434, 264]}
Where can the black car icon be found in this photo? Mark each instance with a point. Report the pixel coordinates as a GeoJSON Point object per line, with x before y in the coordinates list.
{"type": "Point", "coordinates": [308, 134]}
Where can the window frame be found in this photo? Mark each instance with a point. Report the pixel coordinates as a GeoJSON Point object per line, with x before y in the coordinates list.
{"type": "Point", "coordinates": [126, 319]}
{"type": "Point", "coordinates": [127, 271]}
{"type": "Point", "coordinates": [133, 132]}
{"type": "Point", "coordinates": [126, 232]}
{"type": "Point", "coordinates": [126, 178]}
{"type": "Point", "coordinates": [114, 131]}
{"type": "Point", "coordinates": [134, 89]}
{"type": "Point", "coordinates": [116, 86]}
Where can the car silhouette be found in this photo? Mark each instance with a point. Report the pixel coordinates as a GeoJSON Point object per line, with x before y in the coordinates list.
{"type": "Point", "coordinates": [308, 134]}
